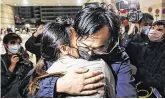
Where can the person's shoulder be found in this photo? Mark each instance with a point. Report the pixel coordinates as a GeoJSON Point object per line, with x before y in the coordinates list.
{"type": "Point", "coordinates": [122, 59]}
{"type": "Point", "coordinates": [4, 56]}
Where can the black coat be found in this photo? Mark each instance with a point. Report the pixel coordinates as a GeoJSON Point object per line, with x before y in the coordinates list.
{"type": "Point", "coordinates": [11, 80]}
{"type": "Point", "coordinates": [149, 58]}
{"type": "Point", "coordinates": [33, 45]}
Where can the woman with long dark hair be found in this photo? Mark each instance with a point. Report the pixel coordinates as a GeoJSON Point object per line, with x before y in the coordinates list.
{"type": "Point", "coordinates": [58, 58]}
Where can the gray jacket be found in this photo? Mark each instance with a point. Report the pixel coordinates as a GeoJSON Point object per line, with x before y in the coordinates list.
{"type": "Point", "coordinates": [68, 63]}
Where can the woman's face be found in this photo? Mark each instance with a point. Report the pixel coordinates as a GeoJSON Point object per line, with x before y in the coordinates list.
{"type": "Point", "coordinates": [72, 49]}
{"type": "Point", "coordinates": [13, 46]}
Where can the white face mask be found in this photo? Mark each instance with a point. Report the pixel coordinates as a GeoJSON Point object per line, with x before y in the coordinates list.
{"type": "Point", "coordinates": [145, 29]}
{"type": "Point", "coordinates": [14, 48]}
{"type": "Point", "coordinates": [122, 30]}
{"type": "Point", "coordinates": [155, 35]}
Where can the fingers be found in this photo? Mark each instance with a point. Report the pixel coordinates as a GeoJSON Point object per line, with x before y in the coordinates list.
{"type": "Point", "coordinates": [88, 92]}
{"type": "Point", "coordinates": [16, 59]}
{"type": "Point", "coordinates": [14, 56]}
{"type": "Point", "coordinates": [81, 70]}
{"type": "Point", "coordinates": [91, 74]}
{"type": "Point", "coordinates": [93, 86]}
{"type": "Point", "coordinates": [93, 79]}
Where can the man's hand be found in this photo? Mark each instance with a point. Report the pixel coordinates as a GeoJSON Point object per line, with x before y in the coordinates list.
{"type": "Point", "coordinates": [14, 59]}
{"type": "Point", "coordinates": [80, 82]}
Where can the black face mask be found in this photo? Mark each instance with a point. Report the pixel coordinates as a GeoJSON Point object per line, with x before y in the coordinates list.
{"type": "Point", "coordinates": [86, 56]}
{"type": "Point", "coordinates": [92, 57]}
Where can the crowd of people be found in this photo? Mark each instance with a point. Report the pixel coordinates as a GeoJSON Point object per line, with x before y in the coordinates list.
{"type": "Point", "coordinates": [90, 56]}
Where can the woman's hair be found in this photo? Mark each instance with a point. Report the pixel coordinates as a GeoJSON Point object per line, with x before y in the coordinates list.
{"type": "Point", "coordinates": [94, 17]}
{"type": "Point", "coordinates": [54, 34]}
{"type": "Point", "coordinates": [11, 37]}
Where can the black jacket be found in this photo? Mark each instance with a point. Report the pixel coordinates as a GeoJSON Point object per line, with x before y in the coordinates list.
{"type": "Point", "coordinates": [10, 80]}
{"type": "Point", "coordinates": [149, 58]}
{"type": "Point", "coordinates": [33, 46]}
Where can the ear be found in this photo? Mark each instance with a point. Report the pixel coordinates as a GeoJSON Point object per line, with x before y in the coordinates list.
{"type": "Point", "coordinates": [64, 49]}
{"type": "Point", "coordinates": [6, 47]}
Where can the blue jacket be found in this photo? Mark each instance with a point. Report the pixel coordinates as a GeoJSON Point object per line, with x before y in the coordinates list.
{"type": "Point", "coordinates": [125, 87]}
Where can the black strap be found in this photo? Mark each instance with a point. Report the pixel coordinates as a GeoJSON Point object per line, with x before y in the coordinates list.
{"type": "Point", "coordinates": [3, 61]}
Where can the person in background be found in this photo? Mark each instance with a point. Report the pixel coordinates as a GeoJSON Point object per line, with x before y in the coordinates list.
{"type": "Point", "coordinates": [14, 65]}
{"type": "Point", "coordinates": [149, 58]}
{"type": "Point", "coordinates": [137, 31]}
{"type": "Point", "coordinates": [33, 43]}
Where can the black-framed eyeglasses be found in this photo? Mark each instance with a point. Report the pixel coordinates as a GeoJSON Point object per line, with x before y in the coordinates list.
{"type": "Point", "coordinates": [102, 49]}
{"type": "Point", "coordinates": [99, 50]}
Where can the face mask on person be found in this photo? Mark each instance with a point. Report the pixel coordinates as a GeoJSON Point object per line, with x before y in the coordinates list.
{"type": "Point", "coordinates": [122, 30]}
{"type": "Point", "coordinates": [155, 35]}
{"type": "Point", "coordinates": [92, 57]}
{"type": "Point", "coordinates": [146, 29]}
{"type": "Point", "coordinates": [14, 48]}
{"type": "Point", "coordinates": [86, 56]}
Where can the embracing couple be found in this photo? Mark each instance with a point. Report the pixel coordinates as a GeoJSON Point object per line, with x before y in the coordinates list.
{"type": "Point", "coordinates": [83, 60]}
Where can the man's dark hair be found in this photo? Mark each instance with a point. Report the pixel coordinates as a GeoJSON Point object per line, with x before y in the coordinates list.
{"type": "Point", "coordinates": [159, 22]}
{"type": "Point", "coordinates": [147, 16]}
{"type": "Point", "coordinates": [94, 17]}
{"type": "Point", "coordinates": [11, 37]}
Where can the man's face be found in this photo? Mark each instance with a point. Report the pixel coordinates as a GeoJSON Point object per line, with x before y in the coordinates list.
{"type": "Point", "coordinates": [159, 28]}
{"type": "Point", "coordinates": [148, 23]}
{"type": "Point", "coordinates": [93, 44]}
{"type": "Point", "coordinates": [157, 32]}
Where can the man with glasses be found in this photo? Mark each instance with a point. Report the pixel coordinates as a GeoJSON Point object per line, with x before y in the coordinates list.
{"type": "Point", "coordinates": [97, 29]}
{"type": "Point", "coordinates": [14, 65]}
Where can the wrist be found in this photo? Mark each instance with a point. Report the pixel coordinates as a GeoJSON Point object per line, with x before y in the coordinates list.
{"type": "Point", "coordinates": [13, 65]}
{"type": "Point", "coordinates": [35, 34]}
{"type": "Point", "coordinates": [11, 68]}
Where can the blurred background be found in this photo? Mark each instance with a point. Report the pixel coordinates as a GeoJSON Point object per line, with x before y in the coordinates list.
{"type": "Point", "coordinates": [23, 16]}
